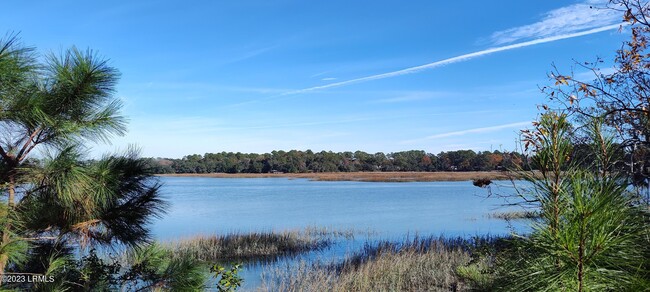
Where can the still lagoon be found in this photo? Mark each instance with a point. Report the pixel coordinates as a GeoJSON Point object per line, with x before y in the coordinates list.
{"type": "Point", "coordinates": [388, 209]}
{"type": "Point", "coordinates": [377, 211]}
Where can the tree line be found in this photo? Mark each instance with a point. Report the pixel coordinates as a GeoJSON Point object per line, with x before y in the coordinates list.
{"type": "Point", "coordinates": [297, 161]}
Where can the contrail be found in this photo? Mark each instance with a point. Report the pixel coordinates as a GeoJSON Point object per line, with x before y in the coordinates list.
{"type": "Point", "coordinates": [452, 60]}
{"type": "Point", "coordinates": [469, 131]}
{"type": "Point", "coordinates": [478, 130]}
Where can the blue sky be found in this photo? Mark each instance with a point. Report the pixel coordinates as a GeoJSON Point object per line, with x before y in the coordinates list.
{"type": "Point", "coordinates": [257, 76]}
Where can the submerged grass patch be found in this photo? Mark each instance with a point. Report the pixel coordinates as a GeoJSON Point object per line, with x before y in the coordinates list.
{"type": "Point", "coordinates": [255, 245]}
{"type": "Point", "coordinates": [421, 264]}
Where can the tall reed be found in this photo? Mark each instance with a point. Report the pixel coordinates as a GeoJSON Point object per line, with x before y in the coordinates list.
{"type": "Point", "coordinates": [420, 264]}
{"type": "Point", "coordinates": [254, 245]}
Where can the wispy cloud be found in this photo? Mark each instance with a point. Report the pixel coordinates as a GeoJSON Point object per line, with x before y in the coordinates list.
{"type": "Point", "coordinates": [250, 54]}
{"type": "Point", "coordinates": [205, 87]}
{"type": "Point", "coordinates": [414, 96]}
{"type": "Point", "coordinates": [461, 58]}
{"type": "Point", "coordinates": [565, 20]}
{"type": "Point", "coordinates": [204, 125]}
{"type": "Point", "coordinates": [319, 74]}
{"type": "Point", "coordinates": [470, 131]}
{"type": "Point", "coordinates": [328, 79]}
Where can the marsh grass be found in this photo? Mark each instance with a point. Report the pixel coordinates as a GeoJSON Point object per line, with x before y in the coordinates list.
{"type": "Point", "coordinates": [333, 233]}
{"type": "Point", "coordinates": [420, 264]}
{"type": "Point", "coordinates": [256, 245]}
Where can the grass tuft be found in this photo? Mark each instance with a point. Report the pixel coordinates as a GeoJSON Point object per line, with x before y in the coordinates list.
{"type": "Point", "coordinates": [421, 264]}
{"type": "Point", "coordinates": [255, 245]}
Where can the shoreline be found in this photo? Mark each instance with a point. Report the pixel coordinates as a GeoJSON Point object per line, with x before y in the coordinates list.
{"type": "Point", "coordinates": [365, 176]}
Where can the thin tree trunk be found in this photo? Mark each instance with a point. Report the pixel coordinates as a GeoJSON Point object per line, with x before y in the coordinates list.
{"type": "Point", "coordinates": [581, 256]}
{"type": "Point", "coordinates": [5, 234]}
{"type": "Point", "coordinates": [12, 191]}
{"type": "Point", "coordinates": [556, 206]}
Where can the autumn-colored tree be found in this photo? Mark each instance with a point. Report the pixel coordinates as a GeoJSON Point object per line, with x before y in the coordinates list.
{"type": "Point", "coordinates": [621, 97]}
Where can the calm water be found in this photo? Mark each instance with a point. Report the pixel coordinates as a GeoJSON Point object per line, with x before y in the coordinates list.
{"type": "Point", "coordinates": [216, 205]}
{"type": "Point", "coordinates": [392, 211]}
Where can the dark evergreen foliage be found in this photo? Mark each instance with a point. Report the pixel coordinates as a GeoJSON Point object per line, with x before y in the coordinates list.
{"type": "Point", "coordinates": [296, 161]}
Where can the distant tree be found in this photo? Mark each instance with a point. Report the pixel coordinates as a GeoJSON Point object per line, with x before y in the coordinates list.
{"type": "Point", "coordinates": [495, 160]}
{"type": "Point", "coordinates": [256, 165]}
{"type": "Point", "coordinates": [365, 161]}
{"type": "Point", "coordinates": [482, 161]}
{"type": "Point", "coordinates": [425, 163]}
